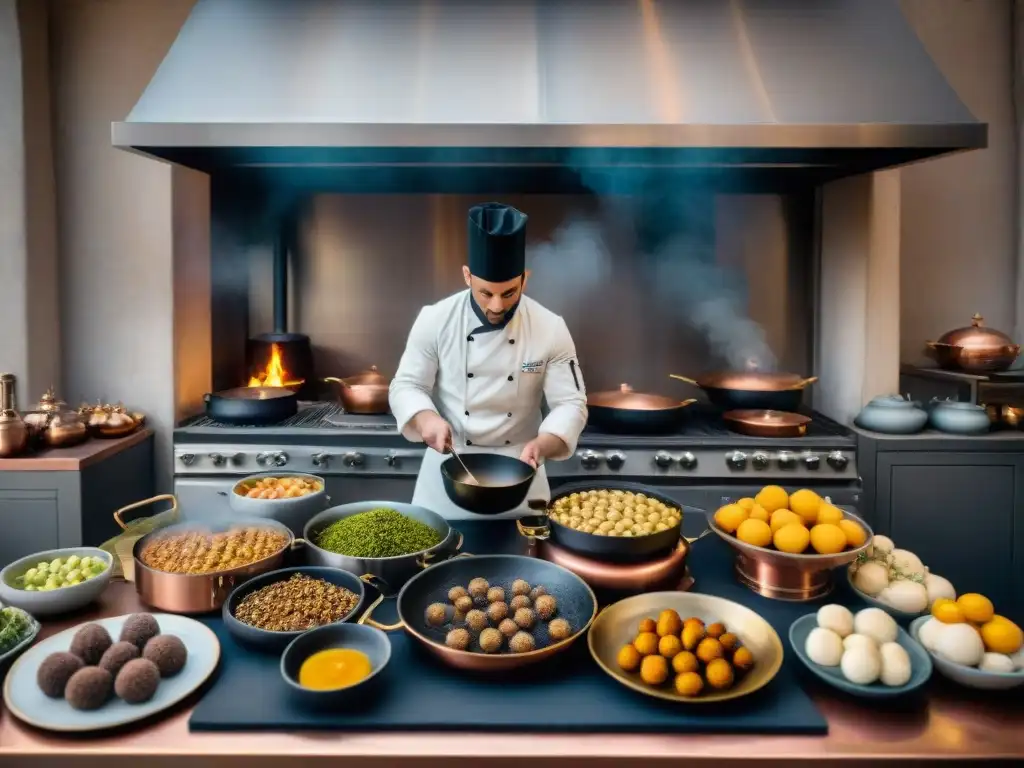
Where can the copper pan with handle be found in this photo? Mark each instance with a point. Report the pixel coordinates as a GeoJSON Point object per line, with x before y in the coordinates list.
{"type": "Point", "coordinates": [752, 390]}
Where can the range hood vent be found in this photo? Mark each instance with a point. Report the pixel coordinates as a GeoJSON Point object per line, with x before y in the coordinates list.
{"type": "Point", "coordinates": [825, 88]}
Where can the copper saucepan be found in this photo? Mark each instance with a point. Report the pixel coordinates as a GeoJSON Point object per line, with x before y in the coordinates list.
{"type": "Point", "coordinates": [752, 390]}
{"type": "Point", "coordinates": [364, 393]}
{"type": "Point", "coordinates": [767, 423]}
{"type": "Point", "coordinates": [627, 411]}
{"type": "Point", "coordinates": [974, 348]}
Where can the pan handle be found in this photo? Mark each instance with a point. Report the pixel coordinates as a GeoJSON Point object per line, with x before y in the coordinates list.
{"type": "Point", "coordinates": [690, 401]}
{"type": "Point", "coordinates": [119, 514]}
{"type": "Point", "coordinates": [534, 527]}
{"type": "Point", "coordinates": [335, 380]}
{"type": "Point", "coordinates": [692, 541]}
{"type": "Point", "coordinates": [385, 591]}
{"type": "Point", "coordinates": [429, 558]}
{"type": "Point", "coordinates": [806, 382]}
{"type": "Point", "coordinates": [684, 379]}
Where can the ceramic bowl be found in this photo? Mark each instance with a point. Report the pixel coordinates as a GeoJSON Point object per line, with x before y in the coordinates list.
{"type": "Point", "coordinates": [56, 601]}
{"type": "Point", "coordinates": [920, 663]}
{"type": "Point", "coordinates": [892, 415]}
{"type": "Point", "coordinates": [271, 641]}
{"type": "Point", "coordinates": [958, 418]}
{"type": "Point", "coordinates": [294, 513]}
{"type": "Point", "coordinates": [359, 637]}
{"type": "Point", "coordinates": [7, 658]}
{"type": "Point", "coordinates": [901, 616]}
{"type": "Point", "coordinates": [969, 676]}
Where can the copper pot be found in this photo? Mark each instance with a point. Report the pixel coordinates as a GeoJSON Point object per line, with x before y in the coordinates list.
{"type": "Point", "coordinates": [14, 432]}
{"type": "Point", "coordinates": [767, 423]}
{"type": "Point", "coordinates": [974, 349]}
{"type": "Point", "coordinates": [753, 390]}
{"type": "Point", "coordinates": [205, 592]}
{"type": "Point", "coordinates": [365, 393]}
{"type": "Point", "coordinates": [1007, 415]}
{"type": "Point", "coordinates": [631, 412]}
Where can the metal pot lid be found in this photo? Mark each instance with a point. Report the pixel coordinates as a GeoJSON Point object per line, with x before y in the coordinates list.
{"type": "Point", "coordinates": [764, 418]}
{"type": "Point", "coordinates": [975, 336]}
{"type": "Point", "coordinates": [754, 381]}
{"type": "Point", "coordinates": [49, 403]}
{"type": "Point", "coordinates": [370, 378]}
{"type": "Point", "coordinates": [626, 399]}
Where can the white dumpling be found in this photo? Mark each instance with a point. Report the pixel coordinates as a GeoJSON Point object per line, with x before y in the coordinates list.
{"type": "Point", "coordinates": [907, 564]}
{"type": "Point", "coordinates": [896, 667]}
{"type": "Point", "coordinates": [876, 624]}
{"type": "Point", "coordinates": [859, 641]}
{"type": "Point", "coordinates": [996, 662]}
{"type": "Point", "coordinates": [861, 665]}
{"type": "Point", "coordinates": [937, 587]}
{"type": "Point", "coordinates": [881, 545]}
{"type": "Point", "coordinates": [960, 644]}
{"type": "Point", "coordinates": [929, 633]}
{"type": "Point", "coordinates": [824, 647]}
{"type": "Point", "coordinates": [838, 618]}
{"type": "Point", "coordinates": [1018, 659]}
{"type": "Point", "coordinates": [906, 596]}
{"type": "Point", "coordinates": [871, 578]}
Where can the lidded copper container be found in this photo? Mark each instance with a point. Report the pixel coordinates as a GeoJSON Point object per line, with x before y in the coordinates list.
{"type": "Point", "coordinates": [975, 348]}
{"type": "Point", "coordinates": [364, 393]}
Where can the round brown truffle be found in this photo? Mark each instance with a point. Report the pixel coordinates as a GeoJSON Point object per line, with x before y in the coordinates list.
{"type": "Point", "coordinates": [521, 642]}
{"type": "Point", "coordinates": [138, 629]}
{"type": "Point", "coordinates": [137, 681]}
{"type": "Point", "coordinates": [508, 628]}
{"type": "Point", "coordinates": [524, 618]}
{"type": "Point", "coordinates": [55, 671]}
{"type": "Point", "coordinates": [89, 688]}
{"type": "Point", "coordinates": [437, 614]}
{"type": "Point", "coordinates": [90, 643]}
{"type": "Point", "coordinates": [491, 640]}
{"type": "Point", "coordinates": [537, 591]}
{"type": "Point", "coordinates": [521, 587]}
{"type": "Point", "coordinates": [478, 587]}
{"type": "Point", "coordinates": [476, 620]}
{"type": "Point", "coordinates": [497, 611]}
{"type": "Point", "coordinates": [458, 639]}
{"type": "Point", "coordinates": [559, 629]}
{"type": "Point", "coordinates": [456, 592]}
{"type": "Point", "coordinates": [545, 606]}
{"type": "Point", "coordinates": [117, 655]}
{"type": "Point", "coordinates": [519, 601]}
{"type": "Point", "coordinates": [495, 595]}
{"type": "Point", "coordinates": [168, 653]}
{"type": "Point", "coordinates": [464, 604]}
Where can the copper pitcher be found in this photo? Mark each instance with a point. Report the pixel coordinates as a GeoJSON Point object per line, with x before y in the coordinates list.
{"type": "Point", "coordinates": [13, 430]}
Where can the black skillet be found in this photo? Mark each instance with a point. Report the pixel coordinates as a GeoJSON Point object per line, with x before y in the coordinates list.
{"type": "Point", "coordinates": [503, 482]}
{"type": "Point", "coordinates": [753, 390]}
{"type": "Point", "coordinates": [252, 405]}
{"type": "Point", "coordinates": [624, 411]}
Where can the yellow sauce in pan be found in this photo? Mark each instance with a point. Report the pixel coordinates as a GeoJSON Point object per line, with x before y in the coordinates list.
{"type": "Point", "coordinates": [334, 668]}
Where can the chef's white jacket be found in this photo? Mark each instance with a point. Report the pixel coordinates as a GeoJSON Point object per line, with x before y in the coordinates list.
{"type": "Point", "coordinates": [488, 384]}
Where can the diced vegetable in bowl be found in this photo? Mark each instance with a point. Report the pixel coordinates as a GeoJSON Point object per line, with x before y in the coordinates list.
{"type": "Point", "coordinates": [56, 581]}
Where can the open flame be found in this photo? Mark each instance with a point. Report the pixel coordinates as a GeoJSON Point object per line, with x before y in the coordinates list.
{"type": "Point", "coordinates": [274, 374]}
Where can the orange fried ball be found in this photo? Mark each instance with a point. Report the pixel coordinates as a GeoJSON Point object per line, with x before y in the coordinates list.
{"type": "Point", "coordinates": [689, 684]}
{"type": "Point", "coordinates": [709, 650]}
{"type": "Point", "coordinates": [646, 643]}
{"type": "Point", "coordinates": [654, 670]}
{"type": "Point", "coordinates": [669, 623]}
{"type": "Point", "coordinates": [684, 662]}
{"type": "Point", "coordinates": [669, 646]}
{"type": "Point", "coordinates": [743, 659]}
{"type": "Point", "coordinates": [719, 674]}
{"type": "Point", "coordinates": [629, 658]}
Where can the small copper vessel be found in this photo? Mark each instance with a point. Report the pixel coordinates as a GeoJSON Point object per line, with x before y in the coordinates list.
{"type": "Point", "coordinates": [974, 349]}
{"type": "Point", "coordinates": [765, 423]}
{"type": "Point", "coordinates": [14, 432]}
{"type": "Point", "coordinates": [363, 393]}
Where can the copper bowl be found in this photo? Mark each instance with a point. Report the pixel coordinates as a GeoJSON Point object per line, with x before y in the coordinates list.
{"type": "Point", "coordinates": [783, 576]}
{"type": "Point", "coordinates": [974, 349]}
{"type": "Point", "coordinates": [204, 592]}
{"type": "Point", "coordinates": [363, 393]}
{"type": "Point", "coordinates": [764, 423]}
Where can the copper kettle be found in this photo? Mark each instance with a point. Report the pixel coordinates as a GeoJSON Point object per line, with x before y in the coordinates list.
{"type": "Point", "coordinates": [975, 348]}
{"type": "Point", "coordinates": [58, 426]}
{"type": "Point", "coordinates": [13, 430]}
{"type": "Point", "coordinates": [364, 393]}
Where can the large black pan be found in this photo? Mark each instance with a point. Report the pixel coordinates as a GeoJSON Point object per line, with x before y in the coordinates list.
{"type": "Point", "coordinates": [503, 482]}
{"type": "Point", "coordinates": [576, 602]}
{"type": "Point", "coordinates": [624, 411]}
{"type": "Point", "coordinates": [614, 549]}
{"type": "Point", "coordinates": [252, 405]}
{"type": "Point", "coordinates": [753, 391]}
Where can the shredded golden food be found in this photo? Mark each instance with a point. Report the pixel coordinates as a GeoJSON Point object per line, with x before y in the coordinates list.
{"type": "Point", "coordinates": [199, 552]}
{"type": "Point", "coordinates": [297, 604]}
{"type": "Point", "coordinates": [278, 487]}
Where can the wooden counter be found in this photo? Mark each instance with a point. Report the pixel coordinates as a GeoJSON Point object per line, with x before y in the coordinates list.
{"type": "Point", "coordinates": [76, 458]}
{"type": "Point", "coordinates": [958, 725]}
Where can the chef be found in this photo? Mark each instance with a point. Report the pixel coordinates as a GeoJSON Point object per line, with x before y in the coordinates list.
{"type": "Point", "coordinates": [478, 364]}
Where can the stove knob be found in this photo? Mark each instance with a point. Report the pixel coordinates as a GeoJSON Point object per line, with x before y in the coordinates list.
{"type": "Point", "coordinates": [688, 460]}
{"type": "Point", "coordinates": [837, 461]}
{"type": "Point", "coordinates": [218, 459]}
{"type": "Point", "coordinates": [353, 459]}
{"type": "Point", "coordinates": [236, 459]}
{"type": "Point", "coordinates": [663, 460]}
{"type": "Point", "coordinates": [761, 460]}
{"type": "Point", "coordinates": [188, 459]}
{"type": "Point", "coordinates": [615, 459]}
{"type": "Point", "coordinates": [736, 460]}
{"type": "Point", "coordinates": [812, 462]}
{"type": "Point", "coordinates": [590, 459]}
{"type": "Point", "coordinates": [392, 459]}
{"type": "Point", "coordinates": [321, 459]}
{"type": "Point", "coordinates": [786, 460]}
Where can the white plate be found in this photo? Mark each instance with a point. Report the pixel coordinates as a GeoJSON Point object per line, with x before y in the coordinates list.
{"type": "Point", "coordinates": [26, 702]}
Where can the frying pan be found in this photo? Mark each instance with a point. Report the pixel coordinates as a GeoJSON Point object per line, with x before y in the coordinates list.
{"type": "Point", "coordinates": [504, 482]}
{"type": "Point", "coordinates": [625, 411]}
{"type": "Point", "coordinates": [615, 549]}
{"type": "Point", "coordinates": [576, 603]}
{"type": "Point", "coordinates": [767, 423]}
{"type": "Point", "coordinates": [752, 390]}
{"type": "Point", "coordinates": [252, 405]}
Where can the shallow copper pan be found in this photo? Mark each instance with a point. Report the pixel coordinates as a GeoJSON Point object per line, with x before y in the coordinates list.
{"type": "Point", "coordinates": [765, 423]}
{"type": "Point", "coordinates": [363, 393]}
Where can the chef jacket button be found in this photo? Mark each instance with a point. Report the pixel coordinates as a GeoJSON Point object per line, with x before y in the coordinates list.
{"type": "Point", "coordinates": [469, 442]}
{"type": "Point", "coordinates": [509, 378]}
{"type": "Point", "coordinates": [509, 414]}
{"type": "Point", "coordinates": [508, 442]}
{"type": "Point", "coordinates": [511, 341]}
{"type": "Point", "coordinates": [471, 375]}
{"type": "Point", "coordinates": [469, 338]}
{"type": "Point", "coordinates": [467, 413]}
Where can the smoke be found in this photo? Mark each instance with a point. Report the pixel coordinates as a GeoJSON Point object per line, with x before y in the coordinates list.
{"type": "Point", "coordinates": [572, 264]}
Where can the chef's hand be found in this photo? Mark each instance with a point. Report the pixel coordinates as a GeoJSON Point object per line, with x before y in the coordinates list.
{"type": "Point", "coordinates": [434, 430]}
{"type": "Point", "coordinates": [540, 448]}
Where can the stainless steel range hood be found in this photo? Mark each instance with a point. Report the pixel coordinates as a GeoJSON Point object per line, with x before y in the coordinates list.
{"type": "Point", "coordinates": [828, 87]}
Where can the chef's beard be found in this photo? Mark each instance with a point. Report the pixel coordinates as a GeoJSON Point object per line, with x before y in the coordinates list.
{"type": "Point", "coordinates": [494, 319]}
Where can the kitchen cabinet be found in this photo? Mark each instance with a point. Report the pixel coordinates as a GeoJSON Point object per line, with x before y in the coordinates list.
{"type": "Point", "coordinates": [66, 498]}
{"type": "Point", "coordinates": [958, 503]}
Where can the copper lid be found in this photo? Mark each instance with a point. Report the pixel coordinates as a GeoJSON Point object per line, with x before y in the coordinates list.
{"type": "Point", "coordinates": [976, 336]}
{"type": "Point", "coordinates": [370, 378]}
{"type": "Point", "coordinates": [767, 418]}
{"type": "Point", "coordinates": [756, 381]}
{"type": "Point", "coordinates": [628, 400]}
